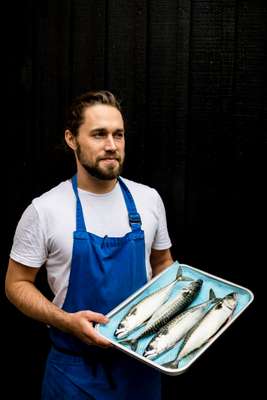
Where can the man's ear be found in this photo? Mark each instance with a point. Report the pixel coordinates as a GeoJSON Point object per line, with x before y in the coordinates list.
{"type": "Point", "coordinates": [70, 140]}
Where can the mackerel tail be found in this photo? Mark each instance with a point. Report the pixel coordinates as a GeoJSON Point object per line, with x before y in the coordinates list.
{"type": "Point", "coordinates": [172, 364]}
{"type": "Point", "coordinates": [133, 343]}
{"type": "Point", "coordinates": [180, 276]}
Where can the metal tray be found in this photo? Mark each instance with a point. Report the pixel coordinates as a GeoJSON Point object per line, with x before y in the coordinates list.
{"type": "Point", "coordinates": [220, 286]}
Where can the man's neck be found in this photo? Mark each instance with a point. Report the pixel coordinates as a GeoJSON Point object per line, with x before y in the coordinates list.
{"type": "Point", "coordinates": [94, 185]}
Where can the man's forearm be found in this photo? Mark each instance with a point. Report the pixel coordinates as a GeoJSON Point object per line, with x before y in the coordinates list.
{"type": "Point", "coordinates": [160, 260]}
{"type": "Point", "coordinates": [31, 302]}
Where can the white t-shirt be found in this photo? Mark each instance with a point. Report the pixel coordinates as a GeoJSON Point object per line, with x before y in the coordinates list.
{"type": "Point", "coordinates": [44, 234]}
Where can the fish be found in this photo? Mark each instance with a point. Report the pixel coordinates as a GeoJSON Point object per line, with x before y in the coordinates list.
{"type": "Point", "coordinates": [218, 315]}
{"type": "Point", "coordinates": [144, 309]}
{"type": "Point", "coordinates": [167, 311]}
{"type": "Point", "coordinates": [171, 333]}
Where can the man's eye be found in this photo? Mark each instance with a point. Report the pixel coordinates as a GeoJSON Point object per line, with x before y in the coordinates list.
{"type": "Point", "coordinates": [98, 135]}
{"type": "Point", "coordinates": [118, 135]}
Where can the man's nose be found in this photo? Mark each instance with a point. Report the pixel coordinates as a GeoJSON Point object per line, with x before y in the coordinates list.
{"type": "Point", "coordinates": [110, 144]}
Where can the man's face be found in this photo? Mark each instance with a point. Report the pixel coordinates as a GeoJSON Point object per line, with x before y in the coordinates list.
{"type": "Point", "coordinates": [100, 142]}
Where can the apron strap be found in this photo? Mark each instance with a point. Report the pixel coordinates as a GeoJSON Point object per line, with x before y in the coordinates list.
{"type": "Point", "coordinates": [80, 225]}
{"type": "Point", "coordinates": [134, 218]}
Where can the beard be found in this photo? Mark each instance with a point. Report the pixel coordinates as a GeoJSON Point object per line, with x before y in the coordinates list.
{"type": "Point", "coordinates": [109, 172]}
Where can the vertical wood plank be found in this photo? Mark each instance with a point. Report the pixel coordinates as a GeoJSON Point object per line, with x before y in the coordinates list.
{"type": "Point", "coordinates": [88, 46]}
{"type": "Point", "coordinates": [168, 67]}
{"type": "Point", "coordinates": [209, 135]}
{"type": "Point", "coordinates": [126, 74]}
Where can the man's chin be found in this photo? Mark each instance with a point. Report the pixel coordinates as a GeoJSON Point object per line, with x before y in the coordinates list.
{"type": "Point", "coordinates": [105, 175]}
{"type": "Point", "coordinates": [110, 172]}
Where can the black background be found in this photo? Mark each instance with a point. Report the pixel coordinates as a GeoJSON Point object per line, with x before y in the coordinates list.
{"type": "Point", "coordinates": [191, 76]}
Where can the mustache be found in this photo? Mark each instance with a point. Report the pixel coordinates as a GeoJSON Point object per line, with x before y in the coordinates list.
{"type": "Point", "coordinates": [109, 157]}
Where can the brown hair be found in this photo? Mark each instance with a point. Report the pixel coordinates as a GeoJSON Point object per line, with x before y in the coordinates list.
{"type": "Point", "coordinates": [75, 115]}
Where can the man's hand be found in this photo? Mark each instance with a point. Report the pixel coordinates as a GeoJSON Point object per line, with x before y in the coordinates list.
{"type": "Point", "coordinates": [81, 325]}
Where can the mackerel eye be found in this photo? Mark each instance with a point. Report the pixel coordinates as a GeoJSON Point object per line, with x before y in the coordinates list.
{"type": "Point", "coordinates": [122, 325]}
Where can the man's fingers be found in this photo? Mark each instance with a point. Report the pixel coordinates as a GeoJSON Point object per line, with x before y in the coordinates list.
{"type": "Point", "coordinates": [99, 340]}
{"type": "Point", "coordinates": [84, 328]}
{"type": "Point", "coordinates": [96, 317]}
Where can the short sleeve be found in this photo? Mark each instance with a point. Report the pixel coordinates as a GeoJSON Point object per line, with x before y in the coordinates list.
{"type": "Point", "coordinates": [29, 244]}
{"type": "Point", "coordinates": [162, 239]}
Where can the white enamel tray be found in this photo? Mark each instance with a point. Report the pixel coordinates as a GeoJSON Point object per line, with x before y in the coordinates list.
{"type": "Point", "coordinates": [220, 286]}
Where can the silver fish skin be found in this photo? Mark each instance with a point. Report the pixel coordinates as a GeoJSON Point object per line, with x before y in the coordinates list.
{"type": "Point", "coordinates": [167, 311]}
{"type": "Point", "coordinates": [170, 334]}
{"type": "Point", "coordinates": [143, 310]}
{"type": "Point", "coordinates": [208, 326]}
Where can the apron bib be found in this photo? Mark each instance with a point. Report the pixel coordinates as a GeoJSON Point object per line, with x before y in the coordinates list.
{"type": "Point", "coordinates": [104, 272]}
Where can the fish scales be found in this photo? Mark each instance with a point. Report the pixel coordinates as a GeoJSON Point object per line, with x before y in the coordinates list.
{"type": "Point", "coordinates": [206, 328]}
{"type": "Point", "coordinates": [143, 310]}
{"type": "Point", "coordinates": [173, 306]}
{"type": "Point", "coordinates": [167, 311]}
{"type": "Point", "coordinates": [176, 328]}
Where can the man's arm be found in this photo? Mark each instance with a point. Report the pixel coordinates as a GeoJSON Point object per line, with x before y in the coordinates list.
{"type": "Point", "coordinates": [22, 292]}
{"type": "Point", "coordinates": [160, 260]}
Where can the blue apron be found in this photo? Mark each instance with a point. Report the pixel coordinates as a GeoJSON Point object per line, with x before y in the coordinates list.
{"type": "Point", "coordinates": [104, 272]}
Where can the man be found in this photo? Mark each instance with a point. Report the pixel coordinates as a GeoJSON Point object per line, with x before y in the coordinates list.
{"type": "Point", "coordinates": [101, 237]}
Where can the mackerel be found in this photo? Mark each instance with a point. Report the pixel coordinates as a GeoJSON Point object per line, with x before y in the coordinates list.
{"type": "Point", "coordinates": [167, 311]}
{"type": "Point", "coordinates": [207, 327]}
{"type": "Point", "coordinates": [143, 310]}
{"type": "Point", "coordinates": [170, 334]}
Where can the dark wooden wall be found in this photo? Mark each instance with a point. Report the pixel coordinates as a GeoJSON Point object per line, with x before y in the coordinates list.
{"type": "Point", "coordinates": [191, 76]}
